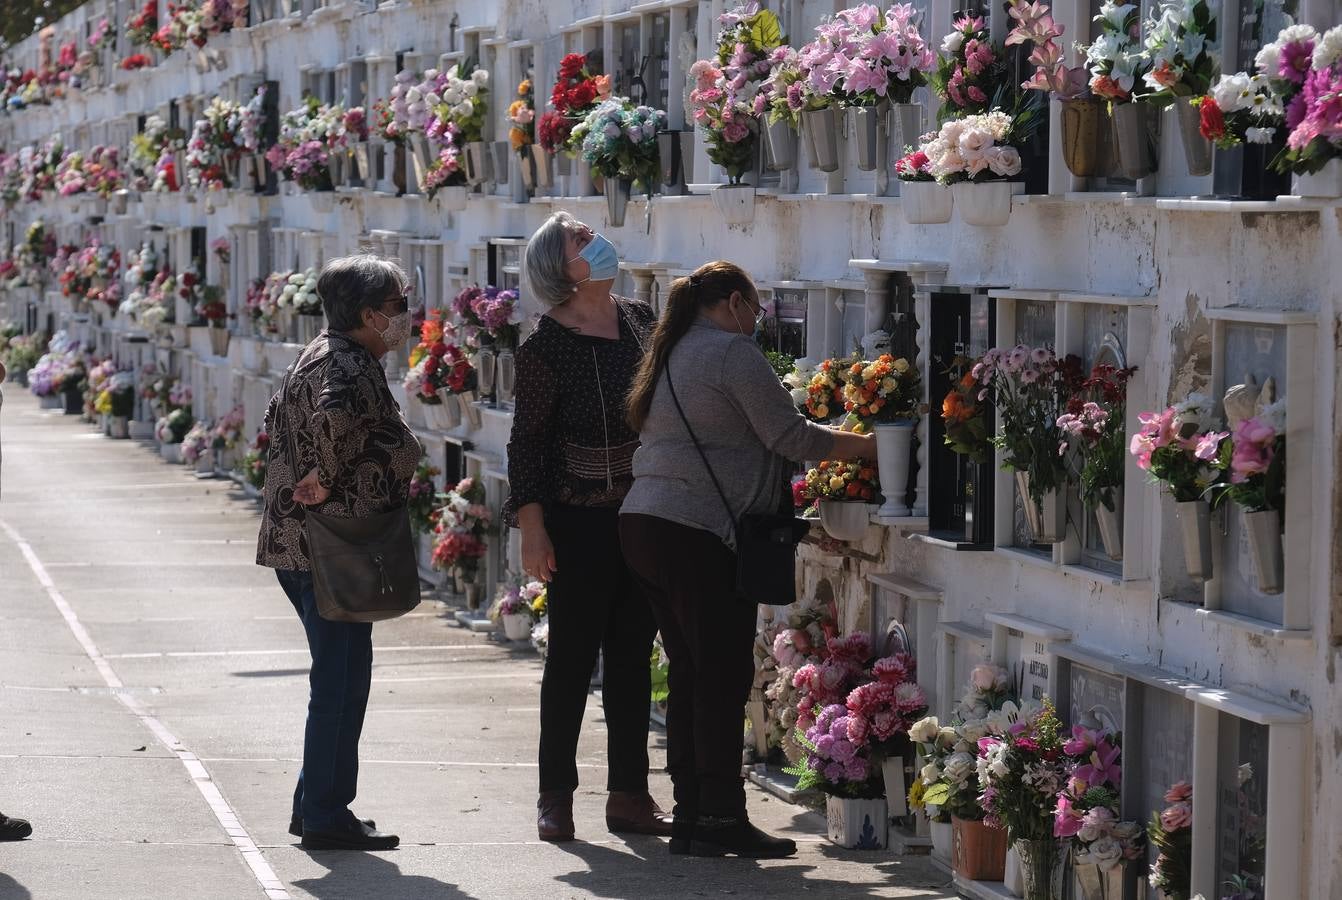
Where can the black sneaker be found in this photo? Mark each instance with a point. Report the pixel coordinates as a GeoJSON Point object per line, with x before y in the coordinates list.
{"type": "Point", "coordinates": [358, 837]}
{"type": "Point", "coordinates": [724, 835]}
{"type": "Point", "coordinates": [296, 826]}
{"type": "Point", "coordinates": [14, 829]}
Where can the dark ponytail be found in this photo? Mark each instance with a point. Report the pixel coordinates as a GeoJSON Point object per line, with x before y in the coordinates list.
{"type": "Point", "coordinates": [704, 288]}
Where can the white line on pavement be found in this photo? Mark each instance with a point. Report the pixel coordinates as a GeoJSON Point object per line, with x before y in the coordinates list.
{"type": "Point", "coordinates": [456, 764]}
{"type": "Point", "coordinates": [228, 820]}
{"type": "Point", "coordinates": [303, 651]}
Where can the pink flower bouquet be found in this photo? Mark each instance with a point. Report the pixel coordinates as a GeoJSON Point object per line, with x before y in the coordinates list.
{"type": "Point", "coordinates": [1180, 447]}
{"type": "Point", "coordinates": [1170, 832]}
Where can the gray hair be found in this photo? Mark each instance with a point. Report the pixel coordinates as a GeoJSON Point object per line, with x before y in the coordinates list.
{"type": "Point", "coordinates": [545, 258]}
{"type": "Point", "coordinates": [351, 284]}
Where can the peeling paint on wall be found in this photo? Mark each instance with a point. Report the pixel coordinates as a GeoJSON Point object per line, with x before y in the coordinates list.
{"type": "Point", "coordinates": [1191, 352]}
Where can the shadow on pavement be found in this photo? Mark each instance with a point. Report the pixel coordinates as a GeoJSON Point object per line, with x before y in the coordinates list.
{"type": "Point", "coordinates": [12, 890]}
{"type": "Point", "coordinates": [359, 875]}
{"type": "Point", "coordinates": [650, 872]}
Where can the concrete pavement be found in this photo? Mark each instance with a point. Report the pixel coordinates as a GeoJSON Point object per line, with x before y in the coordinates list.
{"type": "Point", "coordinates": [152, 693]}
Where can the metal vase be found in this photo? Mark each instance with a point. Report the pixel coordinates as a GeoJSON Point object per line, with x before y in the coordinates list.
{"type": "Point", "coordinates": [506, 376]}
{"type": "Point", "coordinates": [1110, 522]}
{"type": "Point", "coordinates": [782, 142]}
{"type": "Point", "coordinates": [687, 156]}
{"type": "Point", "coordinates": [867, 122]}
{"type": "Point", "coordinates": [219, 340]}
{"type": "Point", "coordinates": [617, 200]}
{"type": "Point", "coordinates": [1265, 547]}
{"type": "Point", "coordinates": [1133, 139]}
{"type": "Point", "coordinates": [501, 150]}
{"type": "Point", "coordinates": [669, 160]}
{"type": "Point", "coordinates": [485, 359]}
{"type": "Point", "coordinates": [527, 166]}
{"type": "Point", "coordinates": [469, 411]}
{"type": "Point", "coordinates": [477, 162]}
{"type": "Point", "coordinates": [362, 163]}
{"type": "Point", "coordinates": [1197, 149]}
{"type": "Point", "coordinates": [822, 133]}
{"type": "Point", "coordinates": [1040, 869]}
{"type": "Point", "coordinates": [337, 163]}
{"type": "Point", "coordinates": [1094, 883]}
{"type": "Point", "coordinates": [906, 125]}
{"type": "Point", "coordinates": [1084, 126]}
{"type": "Point", "coordinates": [1047, 519]}
{"type": "Point", "coordinates": [563, 164]}
{"type": "Point", "coordinates": [540, 161]}
{"type": "Point", "coordinates": [473, 592]}
{"type": "Point", "coordinates": [1196, 526]}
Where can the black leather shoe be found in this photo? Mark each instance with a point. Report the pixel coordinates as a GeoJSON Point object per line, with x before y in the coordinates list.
{"type": "Point", "coordinates": [724, 835]}
{"type": "Point", "coordinates": [360, 837]}
{"type": "Point", "coordinates": [682, 829]}
{"type": "Point", "coordinates": [296, 826]}
{"type": "Point", "coordinates": [14, 829]}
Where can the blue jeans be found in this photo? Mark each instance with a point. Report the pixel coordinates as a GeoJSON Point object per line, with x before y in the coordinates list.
{"type": "Point", "coordinates": [342, 670]}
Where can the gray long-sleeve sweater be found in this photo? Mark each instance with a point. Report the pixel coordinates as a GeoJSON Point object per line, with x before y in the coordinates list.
{"type": "Point", "coordinates": [745, 421]}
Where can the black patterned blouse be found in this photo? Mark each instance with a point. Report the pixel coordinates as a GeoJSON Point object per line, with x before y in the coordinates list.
{"type": "Point", "coordinates": [339, 417]}
{"type": "Point", "coordinates": [570, 443]}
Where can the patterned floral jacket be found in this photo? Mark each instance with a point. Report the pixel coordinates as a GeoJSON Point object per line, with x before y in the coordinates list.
{"type": "Point", "coordinates": [334, 414]}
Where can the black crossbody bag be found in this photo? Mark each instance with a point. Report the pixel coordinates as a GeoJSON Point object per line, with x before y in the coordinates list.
{"type": "Point", "coordinates": [766, 543]}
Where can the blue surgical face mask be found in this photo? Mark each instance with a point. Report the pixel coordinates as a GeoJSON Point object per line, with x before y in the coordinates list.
{"type": "Point", "coordinates": [603, 263]}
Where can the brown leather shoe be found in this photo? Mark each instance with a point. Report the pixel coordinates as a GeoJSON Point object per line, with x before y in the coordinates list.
{"type": "Point", "coordinates": [631, 813]}
{"type": "Point", "coordinates": [554, 816]}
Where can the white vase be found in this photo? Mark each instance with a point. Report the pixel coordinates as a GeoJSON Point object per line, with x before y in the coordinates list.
{"type": "Point", "coordinates": [866, 124]}
{"type": "Point", "coordinates": [1264, 529]}
{"type": "Point", "coordinates": [822, 135]}
{"type": "Point", "coordinates": [171, 453]}
{"type": "Point", "coordinates": [856, 824]}
{"type": "Point", "coordinates": [896, 790]}
{"type": "Point", "coordinates": [1195, 525]}
{"type": "Point", "coordinates": [894, 445]}
{"type": "Point", "coordinates": [845, 520]}
{"type": "Point", "coordinates": [1047, 519]}
{"type": "Point", "coordinates": [451, 408]}
{"type": "Point", "coordinates": [1110, 522]}
{"type": "Point", "coordinates": [1094, 883]}
{"type": "Point", "coordinates": [435, 416]}
{"type": "Point", "coordinates": [452, 198]}
{"type": "Point", "coordinates": [470, 412]}
{"type": "Point", "coordinates": [926, 202]}
{"type": "Point", "coordinates": [1325, 183]}
{"type": "Point", "coordinates": [735, 203]}
{"type": "Point", "coordinates": [987, 203]}
{"type": "Point", "coordinates": [1011, 879]}
{"type": "Point", "coordinates": [517, 626]}
{"type": "Point", "coordinates": [942, 836]}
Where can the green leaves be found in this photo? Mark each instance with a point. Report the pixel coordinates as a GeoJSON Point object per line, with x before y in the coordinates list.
{"type": "Point", "coordinates": [937, 794]}
{"type": "Point", "coordinates": [764, 31]}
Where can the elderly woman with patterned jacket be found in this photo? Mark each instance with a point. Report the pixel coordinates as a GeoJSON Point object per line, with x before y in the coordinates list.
{"type": "Point", "coordinates": [339, 445]}
{"type": "Point", "coordinates": [569, 468]}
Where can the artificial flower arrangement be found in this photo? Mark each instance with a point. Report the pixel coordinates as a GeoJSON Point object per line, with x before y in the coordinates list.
{"type": "Point", "coordinates": [227, 434]}
{"type": "Point", "coordinates": [1179, 447]}
{"type": "Point", "coordinates": [1309, 94]}
{"type": "Point", "coordinates": [158, 389]}
{"type": "Point", "coordinates": [495, 312]}
{"type": "Point", "coordinates": [1252, 461]}
{"type": "Point", "coordinates": [1087, 813]}
{"type": "Point", "coordinates": [518, 600]}
{"type": "Point", "coordinates": [881, 391]}
{"type": "Point", "coordinates": [782, 647]}
{"type": "Point", "coordinates": [446, 106]}
{"type": "Point", "coordinates": [782, 96]}
{"type": "Point", "coordinates": [21, 353]}
{"type": "Point", "coordinates": [173, 427]}
{"type": "Point", "coordinates": [522, 119]}
{"type": "Point", "coordinates": [1171, 833]}
{"type": "Point", "coordinates": [297, 291]}
{"type": "Point", "coordinates": [260, 308]}
{"type": "Point", "coordinates": [1029, 387]}
{"type": "Point", "coordinates": [1115, 59]}
{"type": "Point", "coordinates": [117, 397]}
{"type": "Point", "coordinates": [463, 522]}
{"type": "Point", "coordinates": [96, 172]}
{"type": "Point", "coordinates": [99, 373]}
{"type": "Point", "coordinates": [1179, 58]}
{"type": "Point", "coordinates": [384, 125]}
{"type": "Point", "coordinates": [60, 369]}
{"type": "Point", "coordinates": [619, 140]}
{"type": "Point", "coordinates": [863, 56]}
{"type": "Point", "coordinates": [210, 306]}
{"type": "Point", "coordinates": [103, 35]}
{"type": "Point", "coordinates": [452, 370]}
{"type": "Point", "coordinates": [964, 416]}
{"type": "Point", "coordinates": [724, 100]}
{"type": "Point", "coordinates": [135, 62]}
{"type": "Point", "coordinates": [1240, 109]}
{"type": "Point", "coordinates": [308, 134]}
{"type": "Point", "coordinates": [577, 90]}
{"type": "Point", "coordinates": [1093, 429]}
{"type": "Point", "coordinates": [255, 461]}
{"type": "Point", "coordinates": [978, 148]}
{"type": "Point", "coordinates": [824, 390]}
{"type": "Point", "coordinates": [422, 502]}
{"type": "Point", "coordinates": [141, 26]}
{"type": "Point", "coordinates": [197, 442]}
{"type": "Point", "coordinates": [1035, 26]}
{"type": "Point", "coordinates": [225, 131]}
{"type": "Point", "coordinates": [971, 70]}
{"type": "Point", "coordinates": [914, 166]}
{"type": "Point", "coordinates": [222, 249]}
{"type": "Point", "coordinates": [153, 144]}
{"type": "Point", "coordinates": [841, 480]}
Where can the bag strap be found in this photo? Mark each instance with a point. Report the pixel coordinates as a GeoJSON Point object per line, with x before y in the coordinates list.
{"type": "Point", "coordinates": [721, 494]}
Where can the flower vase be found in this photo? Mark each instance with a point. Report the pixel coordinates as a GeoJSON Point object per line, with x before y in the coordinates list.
{"type": "Point", "coordinates": [1133, 139]}
{"type": "Point", "coordinates": [894, 445]}
{"type": "Point", "coordinates": [977, 851]}
{"type": "Point", "coordinates": [1047, 519]}
{"type": "Point", "coordinates": [563, 164]}
{"type": "Point", "coordinates": [1197, 149]}
{"type": "Point", "coordinates": [896, 788]}
{"type": "Point", "coordinates": [617, 200]}
{"type": "Point", "coordinates": [501, 151]}
{"type": "Point", "coordinates": [544, 171]}
{"type": "Point", "coordinates": [505, 376]}
{"type": "Point", "coordinates": [435, 416]}
{"type": "Point", "coordinates": [473, 592]}
{"type": "Point", "coordinates": [1085, 129]}
{"type": "Point", "coordinates": [451, 408]}
{"type": "Point", "coordinates": [469, 411]}
{"type": "Point", "coordinates": [1324, 184]}
{"type": "Point", "coordinates": [50, 401]}
{"type": "Point", "coordinates": [856, 824]}
{"type": "Point", "coordinates": [529, 168]}
{"type": "Point", "coordinates": [687, 155]}
{"type": "Point", "coordinates": [942, 838]}
{"type": "Point", "coordinates": [516, 626]}
{"type": "Point", "coordinates": [73, 402]}
{"type": "Point", "coordinates": [118, 427]}
{"type": "Point", "coordinates": [1195, 524]}
{"type": "Point", "coordinates": [1040, 869]}
{"type": "Point", "coordinates": [985, 203]}
{"type": "Point", "coordinates": [171, 453]}
{"type": "Point", "coordinates": [309, 325]}
{"type": "Point", "coordinates": [845, 520]}
{"type": "Point", "coordinates": [670, 164]}
{"type": "Point", "coordinates": [1095, 883]}
{"type": "Point", "coordinates": [1110, 522]}
{"type": "Point", "coordinates": [822, 135]}
{"type": "Point", "coordinates": [338, 163]}
{"type": "Point", "coordinates": [926, 202]}
{"type": "Point", "coordinates": [782, 145]}
{"type": "Point", "coordinates": [219, 340]}
{"type": "Point", "coordinates": [363, 164]}
{"type": "Point", "coordinates": [735, 203]}
{"type": "Point", "coordinates": [477, 162]}
{"type": "Point", "coordinates": [906, 125]}
{"type": "Point", "coordinates": [1265, 547]}
{"type": "Point", "coordinates": [867, 122]}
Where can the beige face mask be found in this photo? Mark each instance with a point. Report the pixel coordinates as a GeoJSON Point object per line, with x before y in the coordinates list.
{"type": "Point", "coordinates": [397, 331]}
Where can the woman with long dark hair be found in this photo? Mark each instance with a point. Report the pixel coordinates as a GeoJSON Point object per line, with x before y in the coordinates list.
{"type": "Point", "coordinates": [678, 537]}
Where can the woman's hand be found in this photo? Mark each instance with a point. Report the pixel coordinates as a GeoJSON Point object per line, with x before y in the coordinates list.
{"type": "Point", "coordinates": [848, 445]}
{"type": "Point", "coordinates": [538, 554]}
{"type": "Point", "coordinates": [309, 491]}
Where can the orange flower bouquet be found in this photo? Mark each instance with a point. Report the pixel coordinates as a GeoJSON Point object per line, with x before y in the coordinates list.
{"type": "Point", "coordinates": [881, 391]}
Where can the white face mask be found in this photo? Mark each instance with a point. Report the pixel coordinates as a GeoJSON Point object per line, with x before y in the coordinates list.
{"type": "Point", "coordinates": [397, 331]}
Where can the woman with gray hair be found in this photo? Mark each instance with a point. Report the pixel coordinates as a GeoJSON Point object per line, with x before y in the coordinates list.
{"type": "Point", "coordinates": [339, 445]}
{"type": "Point", "coordinates": [569, 468]}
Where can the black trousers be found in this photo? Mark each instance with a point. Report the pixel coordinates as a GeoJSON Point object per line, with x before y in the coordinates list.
{"type": "Point", "coordinates": [594, 604]}
{"type": "Point", "coordinates": [709, 635]}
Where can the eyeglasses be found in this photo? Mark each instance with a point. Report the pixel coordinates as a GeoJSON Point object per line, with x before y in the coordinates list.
{"type": "Point", "coordinates": [399, 304]}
